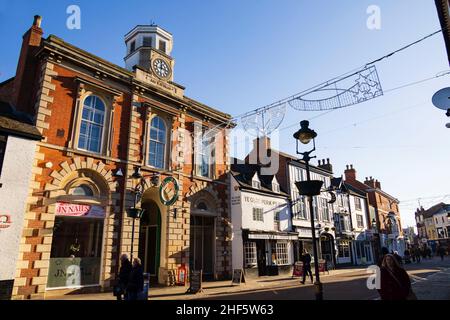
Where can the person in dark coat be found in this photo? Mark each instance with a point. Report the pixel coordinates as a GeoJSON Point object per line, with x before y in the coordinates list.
{"type": "Point", "coordinates": [395, 282]}
{"type": "Point", "coordinates": [441, 252]}
{"type": "Point", "coordinates": [124, 276]}
{"type": "Point", "coordinates": [136, 281]}
{"type": "Point", "coordinates": [398, 257]}
{"type": "Point", "coordinates": [417, 254]}
{"type": "Point", "coordinates": [384, 251]}
{"type": "Point", "coordinates": [306, 259]}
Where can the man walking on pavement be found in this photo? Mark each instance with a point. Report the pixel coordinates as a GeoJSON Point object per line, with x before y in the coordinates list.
{"type": "Point", "coordinates": [306, 259]}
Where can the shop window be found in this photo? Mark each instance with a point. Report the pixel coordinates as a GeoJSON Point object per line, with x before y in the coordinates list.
{"type": "Point", "coordinates": [281, 250]}
{"type": "Point", "coordinates": [157, 148]}
{"type": "Point", "coordinates": [76, 252]}
{"type": "Point", "coordinates": [258, 214]}
{"type": "Point", "coordinates": [92, 124]}
{"type": "Point", "coordinates": [3, 139]}
{"type": "Point", "coordinates": [250, 254]}
{"type": "Point", "coordinates": [344, 250]}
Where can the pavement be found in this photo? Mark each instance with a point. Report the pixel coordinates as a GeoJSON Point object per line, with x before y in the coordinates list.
{"type": "Point", "coordinates": [430, 280]}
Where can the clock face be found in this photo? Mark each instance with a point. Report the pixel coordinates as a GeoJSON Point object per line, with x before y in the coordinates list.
{"type": "Point", "coordinates": [161, 68]}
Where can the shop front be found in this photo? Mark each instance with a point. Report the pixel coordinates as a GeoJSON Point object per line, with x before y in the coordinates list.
{"type": "Point", "coordinates": [344, 252]}
{"type": "Point", "coordinates": [76, 252]}
{"type": "Point", "coordinates": [362, 250]}
{"type": "Point", "coordinates": [268, 253]}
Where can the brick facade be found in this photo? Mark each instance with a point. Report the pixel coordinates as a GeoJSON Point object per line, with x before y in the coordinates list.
{"type": "Point", "coordinates": [65, 76]}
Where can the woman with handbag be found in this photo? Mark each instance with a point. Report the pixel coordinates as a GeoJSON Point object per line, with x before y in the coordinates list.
{"type": "Point", "coordinates": [395, 282]}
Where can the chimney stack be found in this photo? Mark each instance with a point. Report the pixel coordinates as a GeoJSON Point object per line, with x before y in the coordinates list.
{"type": "Point", "coordinates": [326, 165]}
{"type": "Point", "coordinates": [26, 73]}
{"type": "Point", "coordinates": [350, 173]}
{"type": "Point", "coordinates": [370, 182]}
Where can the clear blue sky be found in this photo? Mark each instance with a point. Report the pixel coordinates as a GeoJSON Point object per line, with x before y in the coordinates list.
{"type": "Point", "coordinates": [239, 55]}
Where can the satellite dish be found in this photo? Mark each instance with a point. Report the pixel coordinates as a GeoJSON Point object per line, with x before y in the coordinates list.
{"type": "Point", "coordinates": [441, 99]}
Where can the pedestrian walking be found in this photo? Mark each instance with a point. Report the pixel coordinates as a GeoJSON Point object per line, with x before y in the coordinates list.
{"type": "Point", "coordinates": [441, 252]}
{"type": "Point", "coordinates": [124, 276]}
{"type": "Point", "coordinates": [407, 255]}
{"type": "Point", "coordinates": [136, 282]}
{"type": "Point", "coordinates": [398, 257]}
{"type": "Point", "coordinates": [417, 254]}
{"type": "Point", "coordinates": [306, 259]}
{"type": "Point", "coordinates": [395, 282]}
{"type": "Point", "coordinates": [428, 252]}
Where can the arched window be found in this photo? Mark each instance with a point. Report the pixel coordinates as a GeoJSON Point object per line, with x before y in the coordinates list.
{"type": "Point", "coordinates": [92, 123]}
{"type": "Point", "coordinates": [202, 206]}
{"type": "Point", "coordinates": [82, 190]}
{"type": "Point", "coordinates": [156, 154]}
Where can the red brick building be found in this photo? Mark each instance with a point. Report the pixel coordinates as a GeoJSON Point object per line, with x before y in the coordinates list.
{"type": "Point", "coordinates": [387, 213]}
{"type": "Point", "coordinates": [99, 122]}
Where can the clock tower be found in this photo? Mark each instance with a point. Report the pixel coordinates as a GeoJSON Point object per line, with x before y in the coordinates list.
{"type": "Point", "coordinates": [149, 48]}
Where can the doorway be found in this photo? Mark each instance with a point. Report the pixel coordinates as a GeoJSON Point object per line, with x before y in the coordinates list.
{"type": "Point", "coordinates": [202, 245]}
{"type": "Point", "coordinates": [261, 257]}
{"type": "Point", "coordinates": [150, 239]}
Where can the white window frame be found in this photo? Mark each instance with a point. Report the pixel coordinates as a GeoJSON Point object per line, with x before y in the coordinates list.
{"type": "Point", "coordinates": [282, 253]}
{"type": "Point", "coordinates": [149, 139]}
{"type": "Point", "coordinates": [258, 213]}
{"type": "Point", "coordinates": [105, 126]}
{"type": "Point", "coordinates": [250, 256]}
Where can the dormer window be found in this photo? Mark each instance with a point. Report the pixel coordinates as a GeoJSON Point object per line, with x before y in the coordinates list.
{"type": "Point", "coordinates": [275, 187]}
{"type": "Point", "coordinates": [256, 184]}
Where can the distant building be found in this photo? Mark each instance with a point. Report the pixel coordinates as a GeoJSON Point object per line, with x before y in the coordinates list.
{"type": "Point", "coordinates": [433, 224]}
{"type": "Point", "coordinates": [352, 223]}
{"type": "Point", "coordinates": [387, 214]}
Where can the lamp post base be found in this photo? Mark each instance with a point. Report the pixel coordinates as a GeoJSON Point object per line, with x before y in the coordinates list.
{"type": "Point", "coordinates": [318, 290]}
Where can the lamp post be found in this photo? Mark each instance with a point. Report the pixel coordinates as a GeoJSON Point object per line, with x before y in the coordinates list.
{"type": "Point", "coordinates": [310, 188]}
{"type": "Point", "coordinates": [135, 212]}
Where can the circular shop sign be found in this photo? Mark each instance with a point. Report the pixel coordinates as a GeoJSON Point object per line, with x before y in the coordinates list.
{"type": "Point", "coordinates": [168, 191]}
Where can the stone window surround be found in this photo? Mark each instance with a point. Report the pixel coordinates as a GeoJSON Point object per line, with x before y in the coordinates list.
{"type": "Point", "coordinates": [150, 113]}
{"type": "Point", "coordinates": [108, 97]}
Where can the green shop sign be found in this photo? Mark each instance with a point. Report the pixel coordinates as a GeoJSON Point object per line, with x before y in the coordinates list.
{"type": "Point", "coordinates": [168, 191]}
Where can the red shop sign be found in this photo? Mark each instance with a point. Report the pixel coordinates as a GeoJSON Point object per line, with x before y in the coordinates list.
{"type": "Point", "coordinates": [79, 210]}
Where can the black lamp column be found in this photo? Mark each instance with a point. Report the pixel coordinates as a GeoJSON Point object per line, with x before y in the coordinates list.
{"type": "Point", "coordinates": [310, 188]}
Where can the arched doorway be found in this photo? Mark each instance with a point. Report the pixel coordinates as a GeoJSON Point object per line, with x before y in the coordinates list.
{"type": "Point", "coordinates": [150, 239]}
{"type": "Point", "coordinates": [327, 248]}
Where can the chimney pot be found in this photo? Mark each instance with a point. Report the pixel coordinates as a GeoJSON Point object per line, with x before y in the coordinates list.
{"type": "Point", "coordinates": [328, 160]}
{"type": "Point", "coordinates": [351, 166]}
{"type": "Point", "coordinates": [319, 163]}
{"type": "Point", "coordinates": [347, 167]}
{"type": "Point", "coordinates": [37, 21]}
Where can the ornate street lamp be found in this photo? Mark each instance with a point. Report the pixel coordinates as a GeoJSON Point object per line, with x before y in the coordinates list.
{"type": "Point", "coordinates": [310, 188]}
